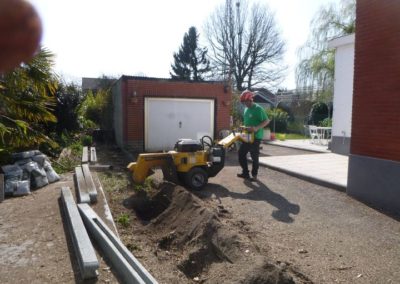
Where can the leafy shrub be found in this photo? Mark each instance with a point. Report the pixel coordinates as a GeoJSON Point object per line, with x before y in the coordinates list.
{"type": "Point", "coordinates": [69, 158]}
{"type": "Point", "coordinates": [319, 112]}
{"type": "Point", "coordinates": [96, 110]}
{"type": "Point", "coordinates": [327, 122]}
{"type": "Point", "coordinates": [69, 96]}
{"type": "Point", "coordinates": [279, 117]}
{"type": "Point", "coordinates": [295, 127]}
{"type": "Point", "coordinates": [87, 140]}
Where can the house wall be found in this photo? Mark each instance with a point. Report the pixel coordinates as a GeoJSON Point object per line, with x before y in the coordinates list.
{"type": "Point", "coordinates": [135, 89]}
{"type": "Point", "coordinates": [343, 94]}
{"type": "Point", "coordinates": [374, 163]}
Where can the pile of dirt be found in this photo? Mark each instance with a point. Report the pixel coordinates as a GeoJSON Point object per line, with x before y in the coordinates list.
{"type": "Point", "coordinates": [208, 250]}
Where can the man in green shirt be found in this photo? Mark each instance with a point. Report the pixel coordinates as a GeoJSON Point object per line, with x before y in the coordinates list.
{"type": "Point", "coordinates": [255, 119]}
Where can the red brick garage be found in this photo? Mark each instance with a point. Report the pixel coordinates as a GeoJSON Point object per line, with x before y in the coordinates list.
{"type": "Point", "coordinates": [150, 113]}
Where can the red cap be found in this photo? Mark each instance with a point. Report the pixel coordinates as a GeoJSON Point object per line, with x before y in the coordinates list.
{"type": "Point", "coordinates": [246, 96]}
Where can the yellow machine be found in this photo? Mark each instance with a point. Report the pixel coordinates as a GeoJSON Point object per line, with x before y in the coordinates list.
{"type": "Point", "coordinates": [191, 162]}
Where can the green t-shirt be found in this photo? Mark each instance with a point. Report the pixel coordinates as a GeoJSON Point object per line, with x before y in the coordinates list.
{"type": "Point", "coordinates": [253, 116]}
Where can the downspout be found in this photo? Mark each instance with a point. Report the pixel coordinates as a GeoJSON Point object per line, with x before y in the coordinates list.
{"type": "Point", "coordinates": [125, 110]}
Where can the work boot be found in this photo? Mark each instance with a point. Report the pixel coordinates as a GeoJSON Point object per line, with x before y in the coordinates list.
{"type": "Point", "coordinates": [254, 178]}
{"type": "Point", "coordinates": [242, 175]}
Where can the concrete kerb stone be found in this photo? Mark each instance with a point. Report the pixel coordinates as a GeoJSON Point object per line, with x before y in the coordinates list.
{"type": "Point", "coordinates": [83, 194]}
{"type": "Point", "coordinates": [100, 168]}
{"type": "Point", "coordinates": [93, 155]}
{"type": "Point", "coordinates": [87, 260]}
{"type": "Point", "coordinates": [305, 147]}
{"type": "Point", "coordinates": [91, 188]}
{"type": "Point", "coordinates": [85, 155]}
{"type": "Point", "coordinates": [125, 264]}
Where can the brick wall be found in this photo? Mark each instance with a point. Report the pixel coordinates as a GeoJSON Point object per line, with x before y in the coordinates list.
{"type": "Point", "coordinates": [134, 109]}
{"type": "Point", "coordinates": [376, 103]}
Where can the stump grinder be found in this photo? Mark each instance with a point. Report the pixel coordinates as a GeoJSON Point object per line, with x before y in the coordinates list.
{"type": "Point", "coordinates": [191, 162]}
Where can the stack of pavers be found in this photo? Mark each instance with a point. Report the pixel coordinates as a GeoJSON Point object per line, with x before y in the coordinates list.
{"type": "Point", "coordinates": [30, 170]}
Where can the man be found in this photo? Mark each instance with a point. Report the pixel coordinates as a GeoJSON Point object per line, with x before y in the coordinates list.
{"type": "Point", "coordinates": [255, 119]}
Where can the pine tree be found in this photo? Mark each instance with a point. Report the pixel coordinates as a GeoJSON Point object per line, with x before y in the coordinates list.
{"type": "Point", "coordinates": [191, 61]}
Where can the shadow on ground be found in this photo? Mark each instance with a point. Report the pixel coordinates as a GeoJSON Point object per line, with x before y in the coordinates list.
{"type": "Point", "coordinates": [258, 192]}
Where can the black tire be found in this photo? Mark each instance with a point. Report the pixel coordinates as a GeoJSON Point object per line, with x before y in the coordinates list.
{"type": "Point", "coordinates": [196, 178]}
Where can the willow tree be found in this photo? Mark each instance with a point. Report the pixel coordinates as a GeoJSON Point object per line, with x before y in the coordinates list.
{"type": "Point", "coordinates": [245, 44]}
{"type": "Point", "coordinates": [315, 72]}
{"type": "Point", "coordinates": [26, 103]}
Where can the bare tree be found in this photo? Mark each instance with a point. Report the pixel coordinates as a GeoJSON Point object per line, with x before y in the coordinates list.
{"type": "Point", "coordinates": [245, 44]}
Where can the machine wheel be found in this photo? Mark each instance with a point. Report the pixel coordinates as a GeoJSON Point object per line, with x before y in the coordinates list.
{"type": "Point", "coordinates": [196, 178]}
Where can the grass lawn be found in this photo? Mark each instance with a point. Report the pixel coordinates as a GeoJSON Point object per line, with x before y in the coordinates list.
{"type": "Point", "coordinates": [286, 136]}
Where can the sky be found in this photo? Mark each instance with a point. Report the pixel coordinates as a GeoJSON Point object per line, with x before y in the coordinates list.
{"type": "Point", "coordinates": [91, 38]}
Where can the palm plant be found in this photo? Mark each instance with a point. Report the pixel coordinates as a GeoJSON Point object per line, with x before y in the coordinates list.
{"type": "Point", "coordinates": [26, 103]}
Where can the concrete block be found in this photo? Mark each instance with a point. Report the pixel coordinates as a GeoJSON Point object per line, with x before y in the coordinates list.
{"type": "Point", "coordinates": [128, 268]}
{"type": "Point", "coordinates": [83, 194]}
{"type": "Point", "coordinates": [100, 168]}
{"type": "Point", "coordinates": [91, 187]}
{"type": "Point", "coordinates": [84, 251]}
{"type": "Point", "coordinates": [85, 155]}
{"type": "Point", "coordinates": [93, 155]}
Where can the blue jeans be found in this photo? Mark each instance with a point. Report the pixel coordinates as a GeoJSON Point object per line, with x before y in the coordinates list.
{"type": "Point", "coordinates": [254, 149]}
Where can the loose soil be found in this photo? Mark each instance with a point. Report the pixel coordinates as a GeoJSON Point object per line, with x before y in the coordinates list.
{"type": "Point", "coordinates": [277, 230]}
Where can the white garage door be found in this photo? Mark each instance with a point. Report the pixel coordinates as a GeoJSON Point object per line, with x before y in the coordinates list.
{"type": "Point", "coordinates": [169, 119]}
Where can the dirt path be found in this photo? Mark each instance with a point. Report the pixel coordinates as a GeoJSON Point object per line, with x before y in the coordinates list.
{"type": "Point", "coordinates": [328, 236]}
{"type": "Point", "coordinates": [35, 245]}
{"type": "Point", "coordinates": [316, 233]}
{"type": "Point", "coordinates": [277, 230]}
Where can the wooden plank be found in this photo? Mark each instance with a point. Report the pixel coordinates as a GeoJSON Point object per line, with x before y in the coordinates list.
{"type": "Point", "coordinates": [93, 155]}
{"type": "Point", "coordinates": [89, 183]}
{"type": "Point", "coordinates": [83, 193]}
{"type": "Point", "coordinates": [85, 155]}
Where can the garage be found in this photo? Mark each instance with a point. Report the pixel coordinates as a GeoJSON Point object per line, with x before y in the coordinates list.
{"type": "Point", "coordinates": [169, 119]}
{"type": "Point", "coordinates": [151, 114]}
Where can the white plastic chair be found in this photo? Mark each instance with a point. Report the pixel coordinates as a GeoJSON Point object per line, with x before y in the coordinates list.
{"type": "Point", "coordinates": [314, 134]}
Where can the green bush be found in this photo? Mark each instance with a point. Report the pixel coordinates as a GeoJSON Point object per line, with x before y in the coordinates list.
{"type": "Point", "coordinates": [327, 122]}
{"type": "Point", "coordinates": [319, 112]}
{"type": "Point", "coordinates": [70, 157]}
{"type": "Point", "coordinates": [96, 110]}
{"type": "Point", "coordinates": [87, 140]}
{"type": "Point", "coordinates": [280, 117]}
{"type": "Point", "coordinates": [295, 127]}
